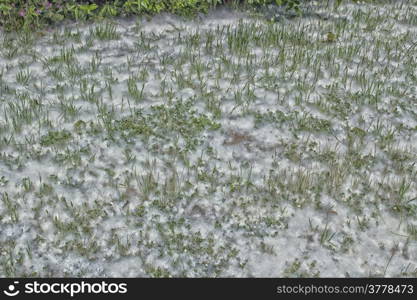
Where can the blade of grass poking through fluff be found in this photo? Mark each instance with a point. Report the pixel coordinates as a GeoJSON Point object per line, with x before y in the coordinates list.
{"type": "Point", "coordinates": [188, 144]}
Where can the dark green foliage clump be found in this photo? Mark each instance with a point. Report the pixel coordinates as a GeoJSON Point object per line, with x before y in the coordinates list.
{"type": "Point", "coordinates": [27, 14]}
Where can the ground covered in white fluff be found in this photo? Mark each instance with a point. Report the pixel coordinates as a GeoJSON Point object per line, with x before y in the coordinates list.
{"type": "Point", "coordinates": [235, 144]}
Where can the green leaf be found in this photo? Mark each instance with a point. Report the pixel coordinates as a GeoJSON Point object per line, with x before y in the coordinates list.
{"type": "Point", "coordinates": [88, 7]}
{"type": "Point", "coordinates": [4, 7]}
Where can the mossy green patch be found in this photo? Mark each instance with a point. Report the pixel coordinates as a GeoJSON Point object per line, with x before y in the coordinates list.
{"type": "Point", "coordinates": [55, 138]}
